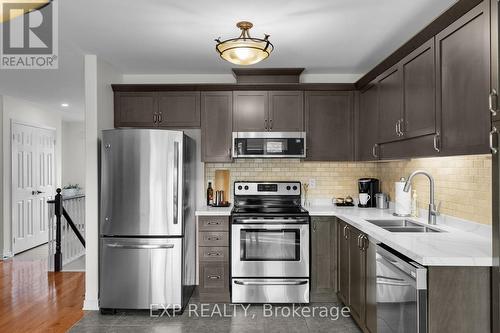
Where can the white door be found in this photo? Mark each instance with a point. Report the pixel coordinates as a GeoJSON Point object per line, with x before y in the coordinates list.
{"type": "Point", "coordinates": [33, 172]}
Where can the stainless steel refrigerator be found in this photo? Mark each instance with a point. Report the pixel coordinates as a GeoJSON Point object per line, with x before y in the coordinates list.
{"type": "Point", "coordinates": [147, 223]}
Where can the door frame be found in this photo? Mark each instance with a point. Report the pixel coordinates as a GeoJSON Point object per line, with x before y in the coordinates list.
{"type": "Point", "coordinates": [11, 187]}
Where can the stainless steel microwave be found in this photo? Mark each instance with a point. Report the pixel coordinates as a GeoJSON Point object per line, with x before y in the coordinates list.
{"type": "Point", "coordinates": [269, 145]}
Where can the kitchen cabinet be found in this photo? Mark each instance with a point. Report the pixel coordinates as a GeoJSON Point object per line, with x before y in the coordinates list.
{"type": "Point", "coordinates": [135, 109]}
{"type": "Point", "coordinates": [419, 108]}
{"type": "Point", "coordinates": [276, 111]}
{"type": "Point", "coordinates": [357, 275]}
{"type": "Point", "coordinates": [390, 104]}
{"type": "Point", "coordinates": [323, 259]}
{"type": "Point", "coordinates": [329, 119]}
{"type": "Point", "coordinates": [367, 131]}
{"type": "Point", "coordinates": [216, 126]}
{"type": "Point", "coordinates": [343, 261]}
{"type": "Point", "coordinates": [463, 79]}
{"type": "Point", "coordinates": [286, 111]}
{"type": "Point", "coordinates": [251, 110]}
{"type": "Point", "coordinates": [213, 258]}
{"type": "Point", "coordinates": [422, 146]}
{"type": "Point", "coordinates": [179, 109]}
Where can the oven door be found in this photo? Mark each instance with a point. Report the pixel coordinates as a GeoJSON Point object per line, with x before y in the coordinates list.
{"type": "Point", "coordinates": [270, 250]}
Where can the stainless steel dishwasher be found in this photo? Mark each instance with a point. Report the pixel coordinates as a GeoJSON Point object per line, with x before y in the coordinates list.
{"type": "Point", "coordinates": [401, 293]}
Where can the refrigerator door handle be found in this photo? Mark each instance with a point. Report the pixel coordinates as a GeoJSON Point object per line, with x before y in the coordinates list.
{"type": "Point", "coordinates": [141, 246]}
{"type": "Point", "coordinates": [176, 182]}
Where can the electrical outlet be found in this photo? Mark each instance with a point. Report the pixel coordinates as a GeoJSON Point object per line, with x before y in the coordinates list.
{"type": "Point", "coordinates": [312, 183]}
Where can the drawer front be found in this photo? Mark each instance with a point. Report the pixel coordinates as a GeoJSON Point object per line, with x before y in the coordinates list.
{"type": "Point", "coordinates": [213, 223]}
{"type": "Point", "coordinates": [214, 276]}
{"type": "Point", "coordinates": [219, 254]}
{"type": "Point", "coordinates": [217, 238]}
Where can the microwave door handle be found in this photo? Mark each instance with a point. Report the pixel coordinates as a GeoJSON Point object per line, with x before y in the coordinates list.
{"type": "Point", "coordinates": [176, 183]}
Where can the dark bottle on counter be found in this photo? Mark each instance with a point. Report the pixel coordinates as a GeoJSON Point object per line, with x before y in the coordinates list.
{"type": "Point", "coordinates": [210, 194]}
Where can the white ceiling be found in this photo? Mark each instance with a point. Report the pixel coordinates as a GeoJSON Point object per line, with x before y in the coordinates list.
{"type": "Point", "coordinates": [177, 37]}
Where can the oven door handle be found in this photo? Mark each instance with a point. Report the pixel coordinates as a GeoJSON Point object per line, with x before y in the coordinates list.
{"type": "Point", "coordinates": [271, 221]}
{"type": "Point", "coordinates": [270, 283]}
{"type": "Point", "coordinates": [273, 227]}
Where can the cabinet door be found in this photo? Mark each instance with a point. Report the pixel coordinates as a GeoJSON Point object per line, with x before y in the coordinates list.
{"type": "Point", "coordinates": [179, 109]}
{"type": "Point", "coordinates": [357, 277]}
{"type": "Point", "coordinates": [135, 109]}
{"type": "Point", "coordinates": [250, 113]}
{"type": "Point", "coordinates": [418, 71]}
{"type": "Point", "coordinates": [286, 111]}
{"type": "Point", "coordinates": [463, 78]}
{"type": "Point", "coordinates": [329, 125]}
{"type": "Point", "coordinates": [371, 287]}
{"type": "Point", "coordinates": [323, 258]}
{"type": "Point", "coordinates": [390, 104]}
{"type": "Point", "coordinates": [343, 261]}
{"type": "Point", "coordinates": [216, 126]}
{"type": "Point", "coordinates": [367, 124]}
{"type": "Point", "coordinates": [422, 146]}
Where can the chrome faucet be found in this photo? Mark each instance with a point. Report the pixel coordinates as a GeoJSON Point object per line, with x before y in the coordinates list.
{"type": "Point", "coordinates": [433, 211]}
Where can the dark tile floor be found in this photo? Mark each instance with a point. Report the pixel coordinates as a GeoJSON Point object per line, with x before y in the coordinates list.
{"type": "Point", "coordinates": [222, 318]}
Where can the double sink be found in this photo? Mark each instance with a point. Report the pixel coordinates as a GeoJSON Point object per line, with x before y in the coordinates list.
{"type": "Point", "coordinates": [402, 226]}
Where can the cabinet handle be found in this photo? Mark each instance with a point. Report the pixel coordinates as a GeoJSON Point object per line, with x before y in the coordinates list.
{"type": "Point", "coordinates": [271, 124]}
{"type": "Point", "coordinates": [374, 149]}
{"type": "Point", "coordinates": [213, 238]}
{"type": "Point", "coordinates": [160, 118]}
{"type": "Point", "coordinates": [314, 226]}
{"type": "Point", "coordinates": [360, 246]}
{"type": "Point", "coordinates": [229, 151]}
{"type": "Point", "coordinates": [492, 102]}
{"type": "Point", "coordinates": [365, 242]}
{"type": "Point", "coordinates": [397, 128]}
{"type": "Point", "coordinates": [213, 223]}
{"type": "Point", "coordinates": [265, 124]}
{"type": "Point", "coordinates": [436, 142]}
{"type": "Point", "coordinates": [346, 232]}
{"type": "Point", "coordinates": [402, 127]}
{"type": "Point", "coordinates": [214, 254]}
{"type": "Point", "coordinates": [155, 118]}
{"type": "Point", "coordinates": [214, 277]}
{"type": "Point", "coordinates": [493, 149]}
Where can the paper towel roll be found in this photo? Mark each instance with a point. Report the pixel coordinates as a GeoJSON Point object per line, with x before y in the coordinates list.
{"type": "Point", "coordinates": [402, 199]}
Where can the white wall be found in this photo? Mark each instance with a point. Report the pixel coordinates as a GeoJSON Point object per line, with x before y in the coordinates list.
{"type": "Point", "coordinates": [14, 109]}
{"type": "Point", "coordinates": [98, 115]}
{"type": "Point", "coordinates": [73, 153]}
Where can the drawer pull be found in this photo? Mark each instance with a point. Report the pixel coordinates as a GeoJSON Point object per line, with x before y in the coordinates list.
{"type": "Point", "coordinates": [214, 254]}
{"type": "Point", "coordinates": [213, 223]}
{"type": "Point", "coordinates": [213, 238]}
{"type": "Point", "coordinates": [214, 277]}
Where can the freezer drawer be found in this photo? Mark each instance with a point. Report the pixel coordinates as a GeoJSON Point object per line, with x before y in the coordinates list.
{"type": "Point", "coordinates": [138, 272]}
{"type": "Point", "coordinates": [270, 291]}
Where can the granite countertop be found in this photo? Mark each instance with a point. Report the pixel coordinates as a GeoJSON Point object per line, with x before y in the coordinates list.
{"type": "Point", "coordinates": [459, 244]}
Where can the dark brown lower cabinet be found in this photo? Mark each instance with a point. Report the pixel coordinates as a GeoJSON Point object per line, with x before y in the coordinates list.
{"type": "Point", "coordinates": [357, 275]}
{"type": "Point", "coordinates": [213, 240]}
{"type": "Point", "coordinates": [323, 259]}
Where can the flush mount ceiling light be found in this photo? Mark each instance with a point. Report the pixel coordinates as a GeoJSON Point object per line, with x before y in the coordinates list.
{"type": "Point", "coordinates": [19, 7]}
{"type": "Point", "coordinates": [244, 50]}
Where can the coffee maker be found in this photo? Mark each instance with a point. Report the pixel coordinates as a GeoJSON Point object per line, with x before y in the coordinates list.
{"type": "Point", "coordinates": [367, 188]}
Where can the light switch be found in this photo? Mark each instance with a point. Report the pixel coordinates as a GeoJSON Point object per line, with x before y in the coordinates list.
{"type": "Point", "coordinates": [312, 183]}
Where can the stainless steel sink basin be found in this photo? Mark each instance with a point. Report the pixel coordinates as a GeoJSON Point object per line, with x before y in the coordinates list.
{"type": "Point", "coordinates": [410, 229]}
{"type": "Point", "coordinates": [394, 223]}
{"type": "Point", "coordinates": [402, 226]}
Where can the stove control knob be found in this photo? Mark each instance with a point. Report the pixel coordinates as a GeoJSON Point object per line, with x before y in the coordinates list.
{"type": "Point", "coordinates": [294, 187]}
{"type": "Point", "coordinates": [240, 187]}
{"type": "Point", "coordinates": [246, 187]}
{"type": "Point", "coordinates": [288, 188]}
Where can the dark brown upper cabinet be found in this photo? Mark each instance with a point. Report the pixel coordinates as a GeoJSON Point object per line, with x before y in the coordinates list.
{"type": "Point", "coordinates": [419, 92]}
{"type": "Point", "coordinates": [135, 109]}
{"type": "Point", "coordinates": [463, 83]}
{"type": "Point", "coordinates": [277, 111]}
{"type": "Point", "coordinates": [216, 126]}
{"type": "Point", "coordinates": [329, 124]}
{"type": "Point", "coordinates": [251, 109]}
{"type": "Point", "coordinates": [367, 131]}
{"type": "Point", "coordinates": [286, 111]}
{"type": "Point", "coordinates": [390, 104]}
{"type": "Point", "coordinates": [179, 109]}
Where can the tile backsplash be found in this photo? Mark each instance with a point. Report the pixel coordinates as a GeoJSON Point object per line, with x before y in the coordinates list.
{"type": "Point", "coordinates": [463, 183]}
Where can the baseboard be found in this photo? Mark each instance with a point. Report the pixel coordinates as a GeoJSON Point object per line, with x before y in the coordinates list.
{"type": "Point", "coordinates": [7, 255]}
{"type": "Point", "coordinates": [91, 305]}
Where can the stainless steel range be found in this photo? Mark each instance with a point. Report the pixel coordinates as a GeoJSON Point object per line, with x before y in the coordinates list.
{"type": "Point", "coordinates": [269, 244]}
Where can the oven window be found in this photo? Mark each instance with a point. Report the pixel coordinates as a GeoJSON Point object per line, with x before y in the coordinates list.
{"type": "Point", "coordinates": [270, 245]}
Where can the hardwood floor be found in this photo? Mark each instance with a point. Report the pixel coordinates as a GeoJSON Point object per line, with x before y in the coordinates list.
{"type": "Point", "coordinates": [34, 300]}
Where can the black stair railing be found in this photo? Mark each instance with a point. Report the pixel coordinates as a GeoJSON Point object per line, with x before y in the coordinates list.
{"type": "Point", "coordinates": [60, 212]}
